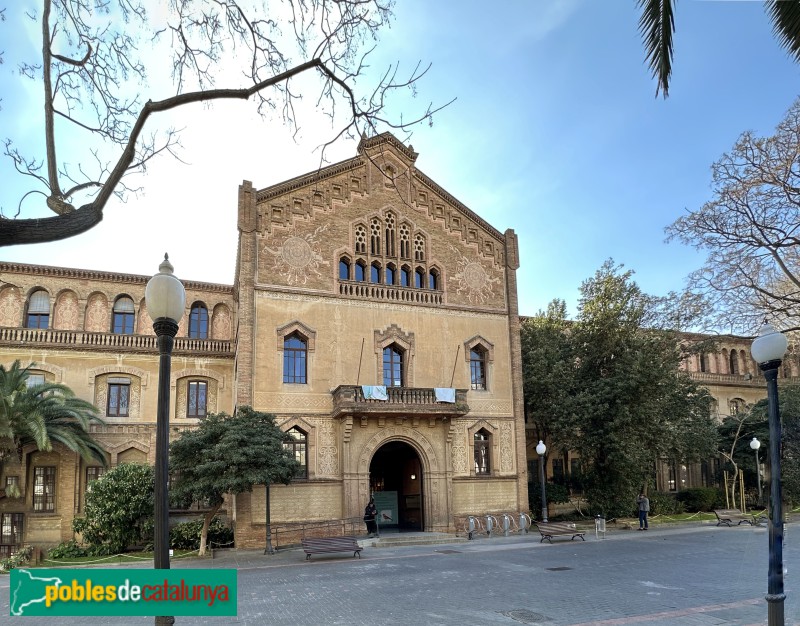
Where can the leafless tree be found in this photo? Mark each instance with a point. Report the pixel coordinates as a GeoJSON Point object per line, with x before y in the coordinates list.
{"type": "Point", "coordinates": [751, 232]}
{"type": "Point", "coordinates": [93, 69]}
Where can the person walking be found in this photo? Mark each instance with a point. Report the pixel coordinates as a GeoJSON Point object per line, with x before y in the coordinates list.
{"type": "Point", "coordinates": [644, 508]}
{"type": "Point", "coordinates": [370, 516]}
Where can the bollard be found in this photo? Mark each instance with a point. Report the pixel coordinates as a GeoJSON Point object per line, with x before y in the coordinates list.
{"type": "Point", "coordinates": [470, 527]}
{"type": "Point", "coordinates": [599, 526]}
{"type": "Point", "coordinates": [489, 525]}
{"type": "Point", "coordinates": [524, 523]}
{"type": "Point", "coordinates": [506, 524]}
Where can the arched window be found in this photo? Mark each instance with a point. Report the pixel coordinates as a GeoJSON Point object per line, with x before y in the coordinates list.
{"type": "Point", "coordinates": [737, 405]}
{"type": "Point", "coordinates": [405, 277]}
{"type": "Point", "coordinates": [433, 280]}
{"type": "Point", "coordinates": [390, 234]}
{"type": "Point", "coordinates": [477, 368]}
{"type": "Point", "coordinates": [361, 239]}
{"type": "Point", "coordinates": [123, 316]}
{"type": "Point", "coordinates": [375, 236]}
{"type": "Point", "coordinates": [38, 310]}
{"type": "Point", "coordinates": [704, 362]}
{"type": "Point", "coordinates": [297, 446]}
{"type": "Point", "coordinates": [392, 366]}
{"type": "Point", "coordinates": [419, 278]}
{"type": "Point", "coordinates": [419, 247]}
{"type": "Point", "coordinates": [295, 351]}
{"type": "Point", "coordinates": [198, 321]}
{"type": "Point", "coordinates": [482, 442]}
{"type": "Point", "coordinates": [197, 398]}
{"type": "Point", "coordinates": [344, 268]}
{"type": "Point", "coordinates": [361, 271]}
{"type": "Point", "coordinates": [375, 273]}
{"type": "Point", "coordinates": [734, 362]}
{"type": "Point", "coordinates": [405, 241]}
{"type": "Point", "coordinates": [389, 275]}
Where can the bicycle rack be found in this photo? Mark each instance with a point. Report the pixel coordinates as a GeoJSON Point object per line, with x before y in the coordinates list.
{"type": "Point", "coordinates": [472, 525]}
{"type": "Point", "coordinates": [524, 523]}
{"type": "Point", "coordinates": [491, 522]}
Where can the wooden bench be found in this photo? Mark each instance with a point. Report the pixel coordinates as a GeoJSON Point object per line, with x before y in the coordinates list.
{"type": "Point", "coordinates": [548, 530]}
{"type": "Point", "coordinates": [729, 516]}
{"type": "Point", "coordinates": [323, 545]}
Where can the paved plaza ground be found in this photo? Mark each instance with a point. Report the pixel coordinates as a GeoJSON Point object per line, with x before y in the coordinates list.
{"type": "Point", "coordinates": [694, 575]}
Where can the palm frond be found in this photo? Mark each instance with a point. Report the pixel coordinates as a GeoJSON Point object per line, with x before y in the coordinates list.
{"type": "Point", "coordinates": [785, 16]}
{"type": "Point", "coordinates": [657, 25]}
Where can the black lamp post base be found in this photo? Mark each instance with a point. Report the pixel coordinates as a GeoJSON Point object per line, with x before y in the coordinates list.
{"type": "Point", "coordinates": [164, 620]}
{"type": "Point", "coordinates": [775, 609]}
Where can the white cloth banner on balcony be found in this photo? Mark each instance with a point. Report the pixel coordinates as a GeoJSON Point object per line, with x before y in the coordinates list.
{"type": "Point", "coordinates": [374, 392]}
{"type": "Point", "coordinates": [445, 394]}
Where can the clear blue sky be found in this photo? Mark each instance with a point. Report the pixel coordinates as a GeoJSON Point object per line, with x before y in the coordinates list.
{"type": "Point", "coordinates": [555, 133]}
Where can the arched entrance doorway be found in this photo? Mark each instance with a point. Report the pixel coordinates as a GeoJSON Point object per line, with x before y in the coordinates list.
{"type": "Point", "coordinates": [395, 479]}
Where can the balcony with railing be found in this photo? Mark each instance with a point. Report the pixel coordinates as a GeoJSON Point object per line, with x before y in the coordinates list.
{"type": "Point", "coordinates": [389, 293]}
{"type": "Point", "coordinates": [417, 401]}
{"type": "Point", "coordinates": [77, 339]}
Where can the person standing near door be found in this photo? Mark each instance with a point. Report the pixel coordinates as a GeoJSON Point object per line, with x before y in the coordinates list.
{"type": "Point", "coordinates": [370, 516]}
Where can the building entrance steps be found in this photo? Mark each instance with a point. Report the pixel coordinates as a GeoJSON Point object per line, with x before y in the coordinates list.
{"type": "Point", "coordinates": [389, 539]}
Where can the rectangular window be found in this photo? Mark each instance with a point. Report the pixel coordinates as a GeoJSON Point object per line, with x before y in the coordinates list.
{"type": "Point", "coordinates": [10, 533]}
{"type": "Point", "coordinates": [92, 474]}
{"type": "Point", "coordinates": [44, 489]}
{"type": "Point", "coordinates": [558, 471]}
{"type": "Point", "coordinates": [34, 380]}
{"type": "Point", "coordinates": [197, 398]}
{"type": "Point", "coordinates": [118, 398]}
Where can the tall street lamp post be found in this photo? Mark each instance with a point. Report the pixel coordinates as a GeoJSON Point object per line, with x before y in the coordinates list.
{"type": "Point", "coordinates": [166, 299]}
{"type": "Point", "coordinates": [755, 444]}
{"type": "Point", "coordinates": [540, 450]}
{"type": "Point", "coordinates": [768, 350]}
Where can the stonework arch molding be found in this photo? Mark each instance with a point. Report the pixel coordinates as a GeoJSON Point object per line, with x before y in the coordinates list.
{"type": "Point", "coordinates": [423, 502]}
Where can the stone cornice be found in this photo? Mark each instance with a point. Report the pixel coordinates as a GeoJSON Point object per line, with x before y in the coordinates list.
{"type": "Point", "coordinates": [69, 272]}
{"type": "Point", "coordinates": [307, 179]}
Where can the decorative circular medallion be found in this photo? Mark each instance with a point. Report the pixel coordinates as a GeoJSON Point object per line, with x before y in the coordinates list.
{"type": "Point", "coordinates": [296, 252]}
{"type": "Point", "coordinates": [475, 276]}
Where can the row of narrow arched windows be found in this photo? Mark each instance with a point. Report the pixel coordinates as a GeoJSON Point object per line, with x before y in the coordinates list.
{"type": "Point", "coordinates": [395, 366]}
{"type": "Point", "coordinates": [389, 275]}
{"type": "Point", "coordinates": [122, 319]}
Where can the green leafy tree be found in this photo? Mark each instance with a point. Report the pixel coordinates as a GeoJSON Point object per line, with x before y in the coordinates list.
{"type": "Point", "coordinates": [119, 510]}
{"type": "Point", "coordinates": [758, 426]}
{"type": "Point", "coordinates": [228, 455]}
{"type": "Point", "coordinates": [628, 403]}
{"type": "Point", "coordinates": [657, 26]}
{"type": "Point", "coordinates": [44, 415]}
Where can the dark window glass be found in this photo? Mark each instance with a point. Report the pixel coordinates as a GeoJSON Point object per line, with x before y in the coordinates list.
{"type": "Point", "coordinates": [390, 276]}
{"type": "Point", "coordinates": [360, 272]}
{"type": "Point", "coordinates": [118, 397]}
{"type": "Point", "coordinates": [405, 277]}
{"type": "Point", "coordinates": [392, 367]}
{"type": "Point", "coordinates": [10, 533]}
{"type": "Point", "coordinates": [92, 474]}
{"type": "Point", "coordinates": [482, 465]}
{"type": "Point", "coordinates": [558, 471]}
{"type": "Point", "coordinates": [374, 274]}
{"type": "Point", "coordinates": [294, 359]}
{"type": "Point", "coordinates": [419, 279]}
{"type": "Point", "coordinates": [477, 368]}
{"type": "Point", "coordinates": [44, 489]}
{"type": "Point", "coordinates": [344, 269]}
{"type": "Point", "coordinates": [298, 446]}
{"type": "Point", "coordinates": [38, 310]}
{"type": "Point", "coordinates": [123, 317]}
{"type": "Point", "coordinates": [198, 322]}
{"type": "Point", "coordinates": [197, 398]}
{"type": "Point", "coordinates": [433, 280]}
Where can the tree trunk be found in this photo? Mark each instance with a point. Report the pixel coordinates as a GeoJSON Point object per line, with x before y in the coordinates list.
{"type": "Point", "coordinates": [206, 523]}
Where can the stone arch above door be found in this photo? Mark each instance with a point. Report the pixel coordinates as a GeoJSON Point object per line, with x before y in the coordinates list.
{"type": "Point", "coordinates": [411, 436]}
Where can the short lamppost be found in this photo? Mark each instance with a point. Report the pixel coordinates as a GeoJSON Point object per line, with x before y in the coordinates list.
{"type": "Point", "coordinates": [768, 350]}
{"type": "Point", "coordinates": [755, 444]}
{"type": "Point", "coordinates": [269, 549]}
{"type": "Point", "coordinates": [540, 450]}
{"type": "Point", "coordinates": [166, 299]}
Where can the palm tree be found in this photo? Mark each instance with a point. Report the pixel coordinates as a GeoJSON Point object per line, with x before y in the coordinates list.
{"type": "Point", "coordinates": [44, 415]}
{"type": "Point", "coordinates": [657, 25]}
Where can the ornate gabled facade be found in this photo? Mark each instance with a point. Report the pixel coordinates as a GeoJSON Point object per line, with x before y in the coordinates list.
{"type": "Point", "coordinates": [371, 312]}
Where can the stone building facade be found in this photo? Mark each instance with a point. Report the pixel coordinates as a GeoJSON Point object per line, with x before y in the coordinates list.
{"type": "Point", "coordinates": [372, 312]}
